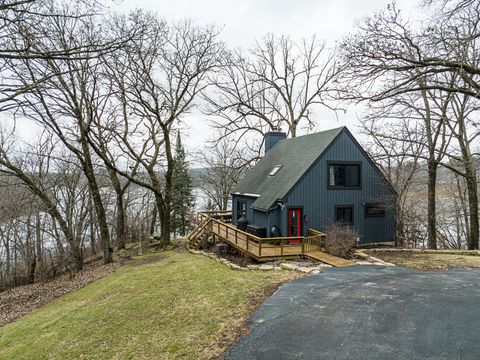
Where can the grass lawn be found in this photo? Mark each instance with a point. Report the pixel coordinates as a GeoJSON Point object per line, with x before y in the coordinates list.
{"type": "Point", "coordinates": [173, 305]}
{"type": "Point", "coordinates": [427, 260]}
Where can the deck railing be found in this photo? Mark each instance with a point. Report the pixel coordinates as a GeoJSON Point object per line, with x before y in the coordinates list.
{"type": "Point", "coordinates": [265, 247]}
{"type": "Point", "coordinates": [224, 216]}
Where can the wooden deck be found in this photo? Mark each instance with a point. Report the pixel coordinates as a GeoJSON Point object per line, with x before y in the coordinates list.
{"type": "Point", "coordinates": [262, 249]}
{"type": "Point", "coordinates": [329, 259]}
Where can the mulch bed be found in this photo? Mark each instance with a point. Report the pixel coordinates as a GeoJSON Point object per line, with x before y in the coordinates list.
{"type": "Point", "coordinates": [19, 301]}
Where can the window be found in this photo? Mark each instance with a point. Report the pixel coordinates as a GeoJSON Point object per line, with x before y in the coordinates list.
{"type": "Point", "coordinates": [241, 209]}
{"type": "Point", "coordinates": [344, 175]}
{"type": "Point", "coordinates": [275, 170]}
{"type": "Point", "coordinates": [375, 210]}
{"type": "Point", "coordinates": [344, 214]}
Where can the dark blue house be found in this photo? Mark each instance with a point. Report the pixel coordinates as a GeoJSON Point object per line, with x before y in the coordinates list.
{"type": "Point", "coordinates": [313, 181]}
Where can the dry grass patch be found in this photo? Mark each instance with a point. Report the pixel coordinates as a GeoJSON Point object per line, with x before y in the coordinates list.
{"type": "Point", "coordinates": [426, 261]}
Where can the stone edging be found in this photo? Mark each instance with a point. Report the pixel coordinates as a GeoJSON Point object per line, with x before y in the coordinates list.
{"type": "Point", "coordinates": [264, 267]}
{"type": "Point", "coordinates": [369, 259]}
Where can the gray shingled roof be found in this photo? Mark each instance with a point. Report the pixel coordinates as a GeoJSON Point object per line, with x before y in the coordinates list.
{"type": "Point", "coordinates": [296, 155]}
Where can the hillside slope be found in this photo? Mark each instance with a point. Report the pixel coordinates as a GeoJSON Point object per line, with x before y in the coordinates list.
{"type": "Point", "coordinates": [160, 306]}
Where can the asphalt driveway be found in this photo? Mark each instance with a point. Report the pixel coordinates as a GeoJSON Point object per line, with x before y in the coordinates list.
{"type": "Point", "coordinates": [369, 312]}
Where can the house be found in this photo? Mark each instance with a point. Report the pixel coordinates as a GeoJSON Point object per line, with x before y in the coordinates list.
{"type": "Point", "coordinates": [313, 181]}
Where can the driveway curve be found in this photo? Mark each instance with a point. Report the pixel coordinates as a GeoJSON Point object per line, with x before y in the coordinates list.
{"type": "Point", "coordinates": [369, 312]}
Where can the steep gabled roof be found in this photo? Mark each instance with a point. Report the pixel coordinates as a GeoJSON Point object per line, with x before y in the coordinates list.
{"type": "Point", "coordinates": [294, 156]}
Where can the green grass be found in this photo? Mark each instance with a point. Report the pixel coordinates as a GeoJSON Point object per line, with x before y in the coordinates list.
{"type": "Point", "coordinates": [183, 306]}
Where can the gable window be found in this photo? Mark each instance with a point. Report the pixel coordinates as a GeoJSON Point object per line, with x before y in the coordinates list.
{"type": "Point", "coordinates": [344, 214]}
{"type": "Point", "coordinates": [241, 209]}
{"type": "Point", "coordinates": [344, 175]}
{"type": "Point", "coordinates": [275, 170]}
{"type": "Point", "coordinates": [375, 210]}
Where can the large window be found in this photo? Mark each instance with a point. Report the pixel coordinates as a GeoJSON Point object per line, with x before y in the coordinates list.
{"type": "Point", "coordinates": [344, 175]}
{"type": "Point", "coordinates": [375, 210]}
{"type": "Point", "coordinates": [344, 214]}
{"type": "Point", "coordinates": [241, 209]}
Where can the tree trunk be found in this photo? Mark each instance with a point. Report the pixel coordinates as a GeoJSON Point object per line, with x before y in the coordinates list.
{"type": "Point", "coordinates": [166, 216]}
{"type": "Point", "coordinates": [472, 240]}
{"type": "Point", "coordinates": [464, 209]}
{"type": "Point", "coordinates": [31, 256]}
{"type": "Point", "coordinates": [76, 253]}
{"type": "Point", "coordinates": [8, 257]}
{"type": "Point", "coordinates": [102, 220]}
{"type": "Point", "coordinates": [93, 245]}
{"type": "Point", "coordinates": [38, 239]}
{"type": "Point", "coordinates": [293, 130]}
{"type": "Point", "coordinates": [164, 221]}
{"type": "Point", "coordinates": [58, 241]}
{"type": "Point", "coordinates": [120, 222]}
{"type": "Point", "coordinates": [431, 212]}
{"type": "Point", "coordinates": [154, 220]}
{"type": "Point", "coordinates": [31, 273]}
{"type": "Point", "coordinates": [471, 180]}
{"type": "Point", "coordinates": [77, 256]}
{"type": "Point", "coordinates": [87, 166]}
{"type": "Point", "coordinates": [119, 192]}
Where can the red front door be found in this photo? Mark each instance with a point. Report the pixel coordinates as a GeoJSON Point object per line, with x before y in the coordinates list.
{"type": "Point", "coordinates": [295, 222]}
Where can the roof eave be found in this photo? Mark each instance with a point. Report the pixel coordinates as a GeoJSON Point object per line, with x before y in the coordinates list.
{"type": "Point", "coordinates": [246, 194]}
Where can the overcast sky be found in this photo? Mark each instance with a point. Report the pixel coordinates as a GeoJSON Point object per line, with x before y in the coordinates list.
{"type": "Point", "coordinates": [243, 21]}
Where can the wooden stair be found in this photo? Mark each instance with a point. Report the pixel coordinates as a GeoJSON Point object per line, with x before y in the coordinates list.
{"type": "Point", "coordinates": [329, 259]}
{"type": "Point", "coordinates": [198, 235]}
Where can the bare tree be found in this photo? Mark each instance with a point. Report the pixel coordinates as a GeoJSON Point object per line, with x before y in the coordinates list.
{"type": "Point", "coordinates": [33, 174]}
{"type": "Point", "coordinates": [388, 47]}
{"type": "Point", "coordinates": [396, 148]}
{"type": "Point", "coordinates": [462, 159]}
{"type": "Point", "coordinates": [157, 81]}
{"type": "Point", "coordinates": [33, 19]}
{"type": "Point", "coordinates": [279, 83]}
{"type": "Point", "coordinates": [65, 102]}
{"type": "Point", "coordinates": [224, 164]}
{"type": "Point", "coordinates": [390, 60]}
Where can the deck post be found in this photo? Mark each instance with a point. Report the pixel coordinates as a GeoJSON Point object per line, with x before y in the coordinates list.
{"type": "Point", "coordinates": [259, 248]}
{"type": "Point", "coordinates": [281, 247]}
{"type": "Point", "coordinates": [303, 246]}
{"type": "Point", "coordinates": [236, 237]}
{"type": "Point", "coordinates": [247, 242]}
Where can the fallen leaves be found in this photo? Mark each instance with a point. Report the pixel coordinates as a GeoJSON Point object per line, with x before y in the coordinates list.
{"type": "Point", "coordinates": [19, 301]}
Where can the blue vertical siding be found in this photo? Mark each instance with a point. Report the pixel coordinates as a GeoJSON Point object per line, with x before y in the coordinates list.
{"type": "Point", "coordinates": [319, 202]}
{"type": "Point", "coordinates": [256, 217]}
{"type": "Point", "coordinates": [249, 201]}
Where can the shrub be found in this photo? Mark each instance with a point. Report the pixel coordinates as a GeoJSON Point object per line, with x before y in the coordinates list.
{"type": "Point", "coordinates": [340, 241]}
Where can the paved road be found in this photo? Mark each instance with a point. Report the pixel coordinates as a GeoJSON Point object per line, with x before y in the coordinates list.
{"type": "Point", "coordinates": [369, 312]}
